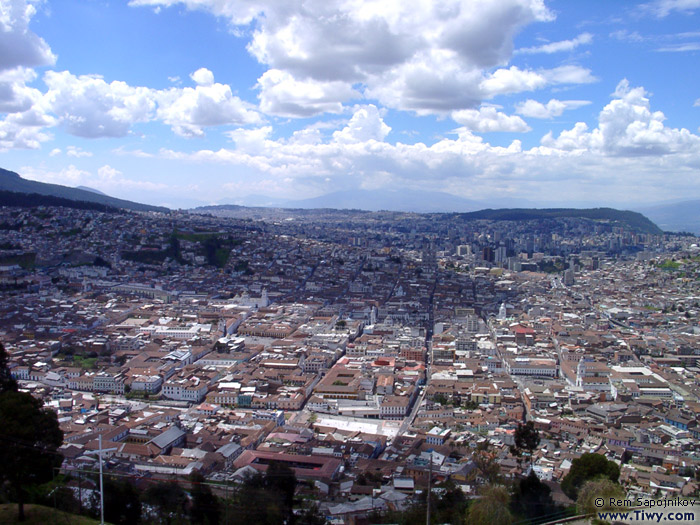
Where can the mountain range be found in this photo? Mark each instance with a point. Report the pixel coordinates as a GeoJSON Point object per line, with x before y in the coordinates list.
{"type": "Point", "coordinates": [670, 216]}
{"type": "Point", "coordinates": [11, 181]}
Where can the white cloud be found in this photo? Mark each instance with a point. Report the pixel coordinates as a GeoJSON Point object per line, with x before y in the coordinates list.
{"type": "Point", "coordinates": [556, 47]}
{"type": "Point", "coordinates": [662, 8]}
{"type": "Point", "coordinates": [20, 47]}
{"type": "Point", "coordinates": [627, 36]}
{"type": "Point", "coordinates": [512, 80]}
{"type": "Point", "coordinates": [569, 74]}
{"type": "Point", "coordinates": [87, 106]}
{"type": "Point", "coordinates": [203, 77]}
{"type": "Point", "coordinates": [107, 178]}
{"type": "Point", "coordinates": [189, 110]}
{"type": "Point", "coordinates": [365, 125]}
{"type": "Point", "coordinates": [627, 127]}
{"type": "Point", "coordinates": [282, 95]}
{"type": "Point", "coordinates": [74, 151]}
{"type": "Point", "coordinates": [430, 57]}
{"type": "Point", "coordinates": [680, 48]}
{"type": "Point", "coordinates": [487, 119]}
{"type": "Point", "coordinates": [15, 95]}
{"type": "Point", "coordinates": [610, 161]}
{"type": "Point", "coordinates": [697, 103]}
{"type": "Point", "coordinates": [90, 107]}
{"type": "Point", "coordinates": [553, 108]}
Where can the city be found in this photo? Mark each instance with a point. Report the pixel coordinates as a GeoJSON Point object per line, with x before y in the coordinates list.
{"type": "Point", "coordinates": [373, 353]}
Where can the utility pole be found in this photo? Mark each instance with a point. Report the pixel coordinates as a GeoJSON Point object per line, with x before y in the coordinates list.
{"type": "Point", "coordinates": [102, 492]}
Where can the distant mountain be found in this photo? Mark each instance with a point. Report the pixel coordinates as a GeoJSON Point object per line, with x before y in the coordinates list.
{"type": "Point", "coordinates": [676, 216]}
{"type": "Point", "coordinates": [93, 190]}
{"type": "Point", "coordinates": [631, 219]}
{"type": "Point", "coordinates": [389, 200]}
{"type": "Point", "coordinates": [11, 181]}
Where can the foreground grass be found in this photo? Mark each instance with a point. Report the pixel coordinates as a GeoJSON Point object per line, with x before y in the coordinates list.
{"type": "Point", "coordinates": [40, 515]}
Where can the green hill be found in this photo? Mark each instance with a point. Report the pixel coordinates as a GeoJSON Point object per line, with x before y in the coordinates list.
{"type": "Point", "coordinates": [631, 219]}
{"type": "Point", "coordinates": [12, 182]}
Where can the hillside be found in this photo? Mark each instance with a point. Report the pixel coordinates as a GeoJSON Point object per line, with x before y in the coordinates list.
{"type": "Point", "coordinates": [631, 219]}
{"type": "Point", "coordinates": [12, 182]}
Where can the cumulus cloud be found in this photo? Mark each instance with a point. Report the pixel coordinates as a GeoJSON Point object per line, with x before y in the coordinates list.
{"type": "Point", "coordinates": [189, 110]}
{"type": "Point", "coordinates": [282, 95]}
{"type": "Point", "coordinates": [627, 127]}
{"type": "Point", "coordinates": [203, 77]}
{"type": "Point", "coordinates": [611, 158]}
{"type": "Point", "coordinates": [15, 95]}
{"type": "Point", "coordinates": [557, 47]}
{"type": "Point", "coordinates": [20, 47]}
{"type": "Point", "coordinates": [90, 107]}
{"type": "Point", "coordinates": [74, 151]}
{"type": "Point", "coordinates": [553, 108]}
{"type": "Point", "coordinates": [487, 119]}
{"type": "Point", "coordinates": [429, 57]}
{"type": "Point", "coordinates": [365, 125]}
{"type": "Point", "coordinates": [17, 132]}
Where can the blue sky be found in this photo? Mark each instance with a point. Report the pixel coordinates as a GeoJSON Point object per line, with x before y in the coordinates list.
{"type": "Point", "coordinates": [190, 102]}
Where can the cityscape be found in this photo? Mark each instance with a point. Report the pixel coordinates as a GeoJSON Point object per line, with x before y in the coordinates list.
{"type": "Point", "coordinates": [349, 262]}
{"type": "Point", "coordinates": [373, 353]}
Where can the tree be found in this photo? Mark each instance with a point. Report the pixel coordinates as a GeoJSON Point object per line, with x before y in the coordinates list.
{"type": "Point", "coordinates": [169, 500]}
{"type": "Point", "coordinates": [7, 382]}
{"type": "Point", "coordinates": [588, 466]}
{"type": "Point", "coordinates": [205, 509]}
{"type": "Point", "coordinates": [487, 463]}
{"type": "Point", "coordinates": [491, 508]}
{"type": "Point", "coordinates": [600, 488]}
{"type": "Point", "coordinates": [122, 502]}
{"type": "Point", "coordinates": [29, 439]}
{"type": "Point", "coordinates": [267, 499]}
{"type": "Point", "coordinates": [527, 437]}
{"type": "Point", "coordinates": [532, 498]}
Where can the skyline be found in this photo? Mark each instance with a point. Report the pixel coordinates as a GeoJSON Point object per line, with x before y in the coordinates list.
{"type": "Point", "coordinates": [193, 102]}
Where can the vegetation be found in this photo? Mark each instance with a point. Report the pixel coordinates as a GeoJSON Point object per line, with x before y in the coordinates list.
{"type": "Point", "coordinates": [588, 467]}
{"type": "Point", "coordinates": [527, 437]}
{"type": "Point", "coordinates": [25, 260]}
{"type": "Point", "coordinates": [531, 498]}
{"type": "Point", "coordinates": [492, 508]}
{"type": "Point", "coordinates": [29, 439]}
{"type": "Point", "coordinates": [43, 515]}
{"type": "Point", "coordinates": [34, 200]}
{"type": "Point", "coordinates": [600, 488]}
{"type": "Point", "coordinates": [633, 220]}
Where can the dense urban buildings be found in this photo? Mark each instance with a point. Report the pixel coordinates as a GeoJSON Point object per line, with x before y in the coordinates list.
{"type": "Point", "coordinates": [372, 353]}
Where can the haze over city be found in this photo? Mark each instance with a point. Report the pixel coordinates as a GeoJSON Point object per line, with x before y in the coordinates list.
{"type": "Point", "coordinates": [194, 102]}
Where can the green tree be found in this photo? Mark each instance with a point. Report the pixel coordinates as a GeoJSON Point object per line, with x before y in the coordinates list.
{"type": "Point", "coordinates": [267, 499]}
{"type": "Point", "coordinates": [491, 508]}
{"type": "Point", "coordinates": [7, 382]}
{"type": "Point", "coordinates": [205, 508]}
{"type": "Point", "coordinates": [122, 502]}
{"type": "Point", "coordinates": [588, 466]}
{"type": "Point", "coordinates": [169, 501]}
{"type": "Point", "coordinates": [29, 439]}
{"type": "Point", "coordinates": [532, 498]}
{"type": "Point", "coordinates": [527, 437]}
{"type": "Point", "coordinates": [599, 488]}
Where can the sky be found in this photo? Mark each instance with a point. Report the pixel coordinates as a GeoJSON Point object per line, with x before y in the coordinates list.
{"type": "Point", "coordinates": [193, 102]}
